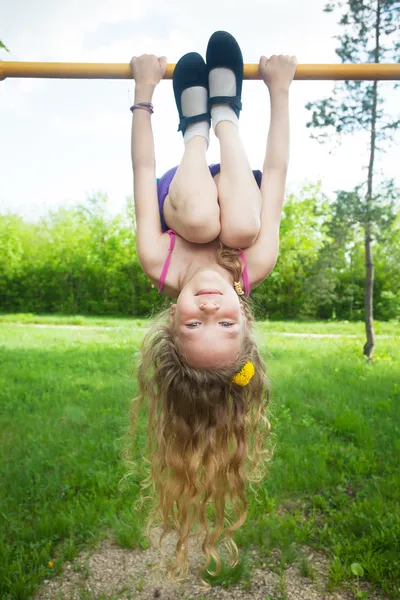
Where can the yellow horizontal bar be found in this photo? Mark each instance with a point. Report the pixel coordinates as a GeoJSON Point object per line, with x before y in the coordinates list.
{"type": "Point", "coordinates": [123, 71]}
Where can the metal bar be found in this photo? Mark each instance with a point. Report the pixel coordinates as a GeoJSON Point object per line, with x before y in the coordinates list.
{"type": "Point", "coordinates": [122, 71]}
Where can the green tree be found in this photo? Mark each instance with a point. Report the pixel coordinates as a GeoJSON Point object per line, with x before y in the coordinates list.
{"type": "Point", "coordinates": [302, 236]}
{"type": "Point", "coordinates": [355, 106]}
{"type": "Point", "coordinates": [387, 258]}
{"type": "Point", "coordinates": [3, 47]}
{"type": "Point", "coordinates": [78, 260]}
{"type": "Point", "coordinates": [323, 288]}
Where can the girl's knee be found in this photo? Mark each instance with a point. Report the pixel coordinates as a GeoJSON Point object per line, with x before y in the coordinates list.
{"type": "Point", "coordinates": [240, 216]}
{"type": "Point", "coordinates": [240, 234]}
{"type": "Point", "coordinates": [201, 227]}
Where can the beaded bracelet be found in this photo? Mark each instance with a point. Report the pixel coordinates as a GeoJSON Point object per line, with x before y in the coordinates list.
{"type": "Point", "coordinates": [145, 105]}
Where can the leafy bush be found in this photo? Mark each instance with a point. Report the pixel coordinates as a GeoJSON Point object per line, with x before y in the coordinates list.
{"type": "Point", "coordinates": [84, 261]}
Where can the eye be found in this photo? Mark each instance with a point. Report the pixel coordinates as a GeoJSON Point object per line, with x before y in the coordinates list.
{"type": "Point", "coordinates": [192, 325]}
{"type": "Point", "coordinates": [226, 323]}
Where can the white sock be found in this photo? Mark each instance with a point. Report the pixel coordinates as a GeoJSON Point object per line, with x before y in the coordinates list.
{"type": "Point", "coordinates": [195, 102]}
{"type": "Point", "coordinates": [201, 128]}
{"type": "Point", "coordinates": [222, 82]}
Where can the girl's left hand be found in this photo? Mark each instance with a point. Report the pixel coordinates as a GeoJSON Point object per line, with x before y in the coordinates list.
{"type": "Point", "coordinates": [148, 69]}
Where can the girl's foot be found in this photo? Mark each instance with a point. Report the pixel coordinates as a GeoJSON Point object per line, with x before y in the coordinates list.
{"type": "Point", "coordinates": [225, 78]}
{"type": "Point", "coordinates": [190, 81]}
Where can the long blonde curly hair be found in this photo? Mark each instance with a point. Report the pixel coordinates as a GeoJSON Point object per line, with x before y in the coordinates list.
{"type": "Point", "coordinates": [206, 437]}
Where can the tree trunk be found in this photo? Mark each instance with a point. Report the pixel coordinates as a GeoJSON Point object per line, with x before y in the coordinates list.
{"type": "Point", "coordinates": [369, 265]}
{"type": "Point", "coordinates": [369, 296]}
{"type": "Point", "coordinates": [352, 286]}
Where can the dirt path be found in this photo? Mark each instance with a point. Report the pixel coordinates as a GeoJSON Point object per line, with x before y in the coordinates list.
{"type": "Point", "coordinates": [111, 572]}
{"type": "Point", "coordinates": [282, 333]}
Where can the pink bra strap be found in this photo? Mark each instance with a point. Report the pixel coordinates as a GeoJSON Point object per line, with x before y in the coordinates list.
{"type": "Point", "coordinates": [168, 260]}
{"type": "Point", "coordinates": [245, 275]}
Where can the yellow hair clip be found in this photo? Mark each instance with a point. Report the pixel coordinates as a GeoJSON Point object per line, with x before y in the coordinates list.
{"type": "Point", "coordinates": [238, 288]}
{"type": "Point", "coordinates": [244, 375]}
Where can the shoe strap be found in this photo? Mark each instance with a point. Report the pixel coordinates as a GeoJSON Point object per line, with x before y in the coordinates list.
{"type": "Point", "coordinates": [233, 101]}
{"type": "Point", "coordinates": [185, 121]}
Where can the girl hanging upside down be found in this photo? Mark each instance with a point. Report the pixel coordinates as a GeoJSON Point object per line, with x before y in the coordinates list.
{"type": "Point", "coordinates": [207, 236]}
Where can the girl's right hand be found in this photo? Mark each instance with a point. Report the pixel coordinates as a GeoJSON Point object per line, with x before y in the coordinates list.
{"type": "Point", "coordinates": [147, 69]}
{"type": "Point", "coordinates": [278, 71]}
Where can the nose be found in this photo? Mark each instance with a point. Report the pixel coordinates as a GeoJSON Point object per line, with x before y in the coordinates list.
{"type": "Point", "coordinates": [209, 306]}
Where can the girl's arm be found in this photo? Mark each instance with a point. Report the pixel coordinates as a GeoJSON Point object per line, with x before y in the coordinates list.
{"type": "Point", "coordinates": [277, 73]}
{"type": "Point", "coordinates": [147, 71]}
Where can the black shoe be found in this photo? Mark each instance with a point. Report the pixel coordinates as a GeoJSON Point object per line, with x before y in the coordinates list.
{"type": "Point", "coordinates": [224, 51]}
{"type": "Point", "coordinates": [190, 71]}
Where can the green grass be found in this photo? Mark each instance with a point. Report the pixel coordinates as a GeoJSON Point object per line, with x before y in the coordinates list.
{"type": "Point", "coordinates": [333, 483]}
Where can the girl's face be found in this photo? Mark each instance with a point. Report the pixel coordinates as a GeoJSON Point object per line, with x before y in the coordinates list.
{"type": "Point", "coordinates": [208, 320]}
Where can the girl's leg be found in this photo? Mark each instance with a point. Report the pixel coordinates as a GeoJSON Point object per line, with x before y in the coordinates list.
{"type": "Point", "coordinates": [239, 195]}
{"type": "Point", "coordinates": [191, 207]}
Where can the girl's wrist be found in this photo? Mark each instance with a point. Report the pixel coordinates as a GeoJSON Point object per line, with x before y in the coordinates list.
{"type": "Point", "coordinates": [144, 92]}
{"type": "Point", "coordinates": [275, 89]}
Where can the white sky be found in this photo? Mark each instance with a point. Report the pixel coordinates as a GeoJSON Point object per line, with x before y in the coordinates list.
{"type": "Point", "coordinates": [62, 140]}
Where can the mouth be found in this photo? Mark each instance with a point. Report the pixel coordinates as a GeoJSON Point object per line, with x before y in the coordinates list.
{"type": "Point", "coordinates": [208, 292]}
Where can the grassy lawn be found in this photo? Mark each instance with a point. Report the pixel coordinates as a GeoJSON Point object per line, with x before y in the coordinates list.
{"type": "Point", "coordinates": [333, 484]}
